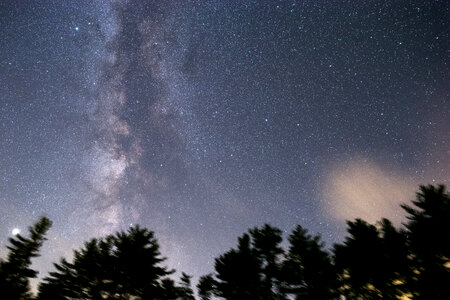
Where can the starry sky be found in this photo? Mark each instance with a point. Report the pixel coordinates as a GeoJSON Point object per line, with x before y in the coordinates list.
{"type": "Point", "coordinates": [200, 119]}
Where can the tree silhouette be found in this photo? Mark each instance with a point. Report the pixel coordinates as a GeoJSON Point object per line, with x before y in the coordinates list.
{"type": "Point", "coordinates": [89, 276]}
{"type": "Point", "coordinates": [238, 274]}
{"type": "Point", "coordinates": [252, 271]}
{"type": "Point", "coordinates": [15, 271]}
{"type": "Point", "coordinates": [266, 247]}
{"type": "Point", "coordinates": [185, 290]}
{"type": "Point", "coordinates": [307, 271]}
{"type": "Point", "coordinates": [428, 231]}
{"type": "Point", "coordinates": [372, 263]}
{"type": "Point", "coordinates": [206, 287]}
{"type": "Point", "coordinates": [394, 264]}
{"type": "Point", "coordinates": [121, 266]}
{"type": "Point", "coordinates": [357, 261]}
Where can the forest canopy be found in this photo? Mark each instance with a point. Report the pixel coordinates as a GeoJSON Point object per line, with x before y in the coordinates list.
{"type": "Point", "coordinates": [375, 261]}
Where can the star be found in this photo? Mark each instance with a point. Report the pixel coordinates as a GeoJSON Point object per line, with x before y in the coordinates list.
{"type": "Point", "coordinates": [215, 115]}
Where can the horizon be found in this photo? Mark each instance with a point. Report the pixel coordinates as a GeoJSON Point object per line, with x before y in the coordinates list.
{"type": "Point", "coordinates": [199, 120]}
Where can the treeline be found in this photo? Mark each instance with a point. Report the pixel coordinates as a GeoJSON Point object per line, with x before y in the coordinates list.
{"type": "Point", "coordinates": [373, 262]}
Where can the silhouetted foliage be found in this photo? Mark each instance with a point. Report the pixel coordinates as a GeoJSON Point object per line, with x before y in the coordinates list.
{"type": "Point", "coordinates": [206, 287]}
{"type": "Point", "coordinates": [185, 291]}
{"type": "Point", "coordinates": [15, 271]}
{"type": "Point", "coordinates": [428, 237]}
{"type": "Point", "coordinates": [266, 248]}
{"type": "Point", "coordinates": [252, 271]}
{"type": "Point", "coordinates": [307, 270]}
{"type": "Point", "coordinates": [119, 266]}
{"type": "Point", "coordinates": [238, 272]}
{"type": "Point", "coordinates": [374, 262]}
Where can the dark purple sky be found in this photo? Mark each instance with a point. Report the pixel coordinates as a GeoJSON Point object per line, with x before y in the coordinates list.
{"type": "Point", "coordinates": [200, 119]}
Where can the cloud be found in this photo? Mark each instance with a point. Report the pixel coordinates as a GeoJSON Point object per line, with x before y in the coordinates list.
{"type": "Point", "coordinates": [361, 189]}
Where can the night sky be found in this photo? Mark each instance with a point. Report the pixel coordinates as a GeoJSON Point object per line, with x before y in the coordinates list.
{"type": "Point", "coordinates": [200, 119]}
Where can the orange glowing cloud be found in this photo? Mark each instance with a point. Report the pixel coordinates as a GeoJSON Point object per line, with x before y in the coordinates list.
{"type": "Point", "coordinates": [361, 189]}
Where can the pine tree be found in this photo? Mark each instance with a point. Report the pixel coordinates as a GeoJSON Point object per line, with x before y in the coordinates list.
{"type": "Point", "coordinates": [185, 289]}
{"type": "Point", "coordinates": [428, 230]}
{"type": "Point", "coordinates": [206, 287]}
{"type": "Point", "coordinates": [251, 271]}
{"type": "Point", "coordinates": [373, 262]}
{"type": "Point", "coordinates": [307, 270]}
{"type": "Point", "coordinates": [16, 271]}
{"type": "Point", "coordinates": [266, 247]}
{"type": "Point", "coordinates": [121, 266]}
